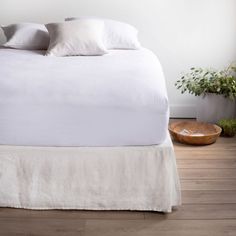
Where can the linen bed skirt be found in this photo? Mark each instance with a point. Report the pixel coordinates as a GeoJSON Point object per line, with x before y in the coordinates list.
{"type": "Point", "coordinates": [92, 178]}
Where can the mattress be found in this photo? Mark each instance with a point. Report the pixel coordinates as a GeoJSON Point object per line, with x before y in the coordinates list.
{"type": "Point", "coordinates": [118, 99]}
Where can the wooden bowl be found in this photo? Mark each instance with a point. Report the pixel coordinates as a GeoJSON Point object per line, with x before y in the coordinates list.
{"type": "Point", "coordinates": [194, 133]}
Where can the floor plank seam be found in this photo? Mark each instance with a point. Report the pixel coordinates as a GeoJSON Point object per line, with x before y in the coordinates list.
{"type": "Point", "coordinates": [199, 179]}
{"type": "Point", "coordinates": [196, 168]}
{"type": "Point", "coordinates": [197, 204]}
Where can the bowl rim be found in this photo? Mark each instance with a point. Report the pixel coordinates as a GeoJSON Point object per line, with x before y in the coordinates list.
{"type": "Point", "coordinates": [218, 129]}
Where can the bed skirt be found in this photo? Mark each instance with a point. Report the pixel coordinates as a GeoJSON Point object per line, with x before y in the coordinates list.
{"type": "Point", "coordinates": [90, 178]}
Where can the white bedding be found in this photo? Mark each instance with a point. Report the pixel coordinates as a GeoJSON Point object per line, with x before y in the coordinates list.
{"type": "Point", "coordinates": [94, 178]}
{"type": "Point", "coordinates": [112, 100]}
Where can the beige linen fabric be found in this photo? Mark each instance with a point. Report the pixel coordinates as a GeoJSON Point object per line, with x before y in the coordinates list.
{"type": "Point", "coordinates": [76, 38]}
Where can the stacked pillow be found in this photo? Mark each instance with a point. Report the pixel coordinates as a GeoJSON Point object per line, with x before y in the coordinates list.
{"type": "Point", "coordinates": [85, 36]}
{"type": "Point", "coordinates": [116, 35]}
{"type": "Point", "coordinates": [27, 36]}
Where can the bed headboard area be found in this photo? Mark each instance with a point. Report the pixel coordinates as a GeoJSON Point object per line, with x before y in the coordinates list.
{"type": "Point", "coordinates": [182, 33]}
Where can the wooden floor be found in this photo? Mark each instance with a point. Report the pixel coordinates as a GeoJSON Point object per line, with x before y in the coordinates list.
{"type": "Point", "coordinates": [208, 179]}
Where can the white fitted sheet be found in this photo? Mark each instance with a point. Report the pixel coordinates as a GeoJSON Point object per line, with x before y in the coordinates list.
{"type": "Point", "coordinates": [113, 100]}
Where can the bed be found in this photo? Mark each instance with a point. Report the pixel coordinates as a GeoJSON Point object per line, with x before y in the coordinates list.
{"type": "Point", "coordinates": [85, 132]}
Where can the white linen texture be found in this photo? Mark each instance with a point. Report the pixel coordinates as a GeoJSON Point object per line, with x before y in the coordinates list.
{"type": "Point", "coordinates": [117, 35]}
{"type": "Point", "coordinates": [113, 100]}
{"type": "Point", "coordinates": [29, 36]}
{"type": "Point", "coordinates": [76, 38]}
{"type": "Point", "coordinates": [115, 178]}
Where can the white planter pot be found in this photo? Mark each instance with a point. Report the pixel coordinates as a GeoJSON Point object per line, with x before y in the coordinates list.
{"type": "Point", "coordinates": [212, 107]}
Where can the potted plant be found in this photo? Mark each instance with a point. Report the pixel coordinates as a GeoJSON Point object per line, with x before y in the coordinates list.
{"type": "Point", "coordinates": [216, 89]}
{"type": "Point", "coordinates": [228, 127]}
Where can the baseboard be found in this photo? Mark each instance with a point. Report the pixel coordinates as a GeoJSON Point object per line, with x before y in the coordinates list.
{"type": "Point", "coordinates": [182, 111]}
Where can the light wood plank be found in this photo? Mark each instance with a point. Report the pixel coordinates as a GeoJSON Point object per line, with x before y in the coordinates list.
{"type": "Point", "coordinates": [213, 147]}
{"type": "Point", "coordinates": [207, 174]}
{"type": "Point", "coordinates": [221, 141]}
{"type": "Point", "coordinates": [207, 164]}
{"type": "Point", "coordinates": [161, 228]}
{"type": "Point", "coordinates": [208, 197]}
{"type": "Point", "coordinates": [219, 145]}
{"type": "Point", "coordinates": [41, 227]}
{"type": "Point", "coordinates": [206, 154]}
{"type": "Point", "coordinates": [221, 184]}
{"type": "Point", "coordinates": [197, 212]}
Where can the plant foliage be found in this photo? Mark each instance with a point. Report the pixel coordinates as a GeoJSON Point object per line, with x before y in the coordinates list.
{"type": "Point", "coordinates": [201, 81]}
{"type": "Point", "coordinates": [228, 127]}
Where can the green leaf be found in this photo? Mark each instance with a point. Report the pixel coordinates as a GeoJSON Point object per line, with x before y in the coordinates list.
{"type": "Point", "coordinates": [203, 80]}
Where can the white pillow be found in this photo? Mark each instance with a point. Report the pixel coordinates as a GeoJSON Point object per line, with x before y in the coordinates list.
{"type": "Point", "coordinates": [29, 36]}
{"type": "Point", "coordinates": [117, 35]}
{"type": "Point", "coordinates": [83, 37]}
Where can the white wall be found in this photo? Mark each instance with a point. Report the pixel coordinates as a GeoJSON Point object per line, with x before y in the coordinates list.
{"type": "Point", "coordinates": [183, 33]}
